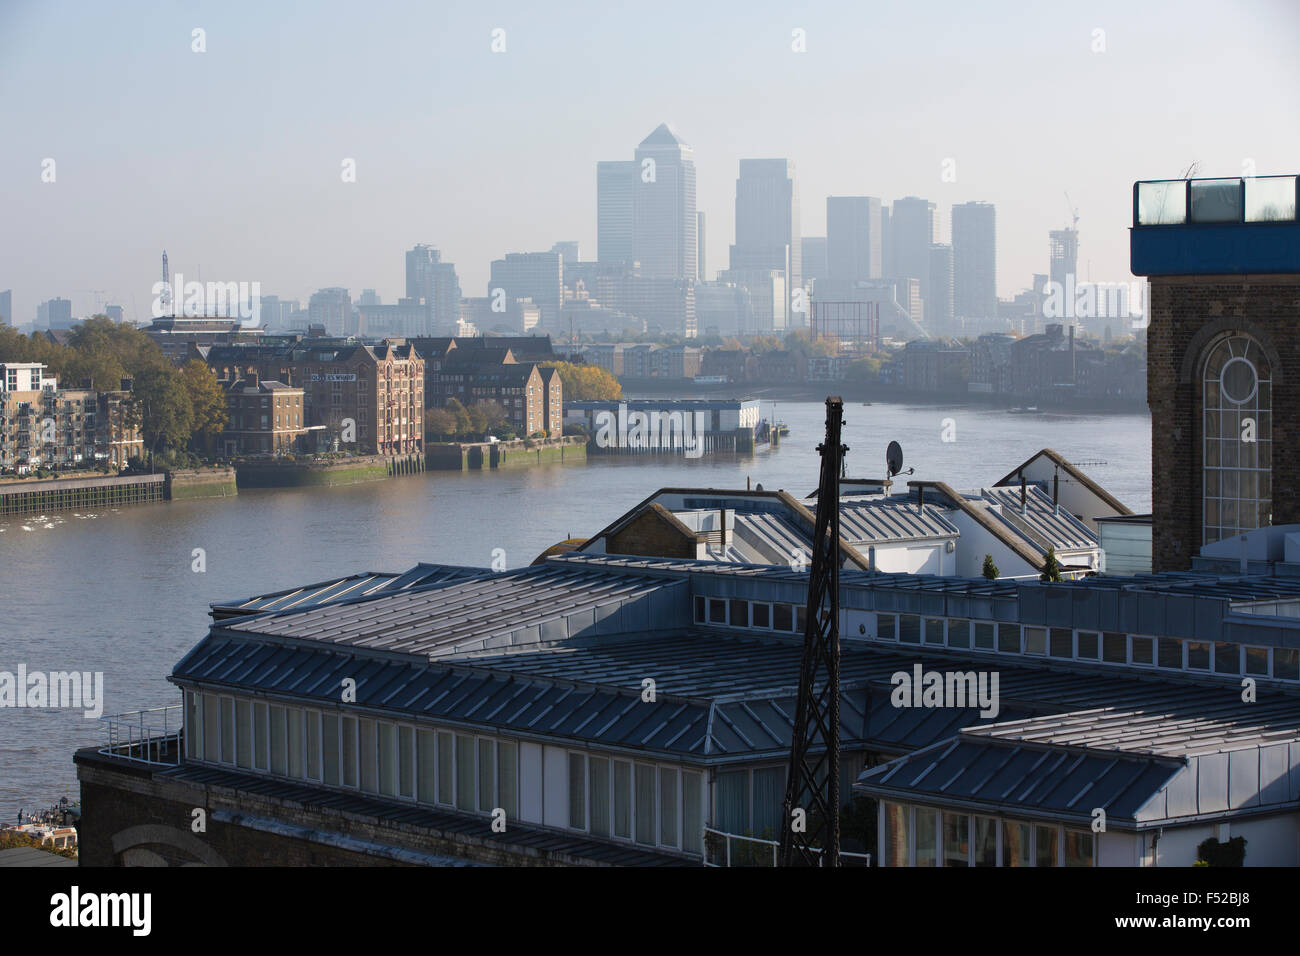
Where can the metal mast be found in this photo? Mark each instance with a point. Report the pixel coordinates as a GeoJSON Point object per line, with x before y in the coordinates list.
{"type": "Point", "coordinates": [165, 300]}
{"type": "Point", "coordinates": [810, 828]}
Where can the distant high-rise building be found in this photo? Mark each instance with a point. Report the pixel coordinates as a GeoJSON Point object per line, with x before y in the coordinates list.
{"type": "Point", "coordinates": [974, 260]}
{"type": "Point", "coordinates": [767, 226]}
{"type": "Point", "coordinates": [886, 247]}
{"type": "Point", "coordinates": [663, 235]}
{"type": "Point", "coordinates": [911, 233]}
{"type": "Point", "coordinates": [369, 297]}
{"type": "Point", "coordinates": [853, 238]}
{"type": "Point", "coordinates": [615, 188]}
{"type": "Point", "coordinates": [54, 314]}
{"type": "Point", "coordinates": [1064, 255]}
{"type": "Point", "coordinates": [700, 273]}
{"type": "Point", "coordinates": [568, 249]}
{"type": "Point", "coordinates": [7, 307]}
{"type": "Point", "coordinates": [434, 282]}
{"type": "Point", "coordinates": [812, 259]}
{"type": "Point", "coordinates": [939, 296]}
{"type": "Point", "coordinates": [530, 275]}
{"type": "Point", "coordinates": [114, 312]}
{"type": "Point", "coordinates": [332, 308]}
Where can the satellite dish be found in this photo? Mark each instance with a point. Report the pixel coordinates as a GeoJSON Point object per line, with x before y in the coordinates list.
{"type": "Point", "coordinates": [894, 458]}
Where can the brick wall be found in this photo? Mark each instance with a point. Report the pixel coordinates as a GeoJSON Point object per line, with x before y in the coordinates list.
{"type": "Point", "coordinates": [1187, 313]}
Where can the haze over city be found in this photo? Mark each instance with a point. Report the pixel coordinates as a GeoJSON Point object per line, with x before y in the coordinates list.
{"type": "Point", "coordinates": [230, 159]}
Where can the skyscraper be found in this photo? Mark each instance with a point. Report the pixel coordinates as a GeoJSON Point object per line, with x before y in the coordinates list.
{"type": "Point", "coordinates": [939, 296]}
{"type": "Point", "coordinates": [767, 226]}
{"type": "Point", "coordinates": [7, 307]}
{"type": "Point", "coordinates": [531, 275]}
{"type": "Point", "coordinates": [853, 239]}
{"type": "Point", "coordinates": [615, 188]}
{"type": "Point", "coordinates": [1064, 255]}
{"type": "Point", "coordinates": [911, 233]}
{"type": "Point", "coordinates": [974, 260]}
{"type": "Point", "coordinates": [664, 224]}
{"type": "Point", "coordinates": [812, 259]}
{"type": "Point", "coordinates": [434, 282]}
{"type": "Point", "coordinates": [700, 272]}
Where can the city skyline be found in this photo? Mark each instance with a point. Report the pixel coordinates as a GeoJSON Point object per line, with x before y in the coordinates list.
{"type": "Point", "coordinates": [229, 197]}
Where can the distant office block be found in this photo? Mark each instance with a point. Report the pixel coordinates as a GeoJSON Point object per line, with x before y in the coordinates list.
{"type": "Point", "coordinates": [700, 273]}
{"type": "Point", "coordinates": [434, 282]}
{"type": "Point", "coordinates": [7, 307]}
{"type": "Point", "coordinates": [768, 236]}
{"type": "Point", "coordinates": [812, 259]}
{"type": "Point", "coordinates": [974, 260]}
{"type": "Point", "coordinates": [939, 301]}
{"type": "Point", "coordinates": [538, 276]}
{"type": "Point", "coordinates": [853, 238]}
{"type": "Point", "coordinates": [911, 224]}
{"type": "Point", "coordinates": [54, 314]}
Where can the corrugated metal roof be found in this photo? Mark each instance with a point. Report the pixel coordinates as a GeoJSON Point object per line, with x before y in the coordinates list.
{"type": "Point", "coordinates": [874, 522]}
{"type": "Point", "coordinates": [1000, 776]}
{"type": "Point", "coordinates": [343, 589]}
{"type": "Point", "coordinates": [1059, 529]}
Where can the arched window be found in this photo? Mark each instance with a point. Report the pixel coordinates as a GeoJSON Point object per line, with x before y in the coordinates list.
{"type": "Point", "coordinates": [1238, 469]}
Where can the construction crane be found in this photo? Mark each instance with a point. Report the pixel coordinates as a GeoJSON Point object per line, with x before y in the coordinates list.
{"type": "Point", "coordinates": [810, 825]}
{"type": "Point", "coordinates": [1073, 212]}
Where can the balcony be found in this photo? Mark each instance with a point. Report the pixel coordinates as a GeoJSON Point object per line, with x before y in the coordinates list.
{"type": "Point", "coordinates": [145, 736]}
{"type": "Point", "coordinates": [1242, 226]}
{"type": "Point", "coordinates": [722, 849]}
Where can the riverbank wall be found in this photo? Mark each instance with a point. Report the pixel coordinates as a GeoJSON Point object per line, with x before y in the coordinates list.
{"type": "Point", "coordinates": [335, 471]}
{"type": "Point", "coordinates": [525, 453]}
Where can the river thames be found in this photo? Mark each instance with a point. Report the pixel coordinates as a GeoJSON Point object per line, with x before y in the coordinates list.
{"type": "Point", "coordinates": [116, 592]}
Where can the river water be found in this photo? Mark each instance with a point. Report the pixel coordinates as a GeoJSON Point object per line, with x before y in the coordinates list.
{"type": "Point", "coordinates": [117, 592]}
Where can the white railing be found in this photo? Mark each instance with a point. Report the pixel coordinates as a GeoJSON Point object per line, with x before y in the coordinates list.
{"type": "Point", "coordinates": [737, 849]}
{"type": "Point", "coordinates": [150, 736]}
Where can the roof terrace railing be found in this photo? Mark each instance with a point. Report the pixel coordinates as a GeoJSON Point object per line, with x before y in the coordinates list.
{"type": "Point", "coordinates": [1177, 202]}
{"type": "Point", "coordinates": [723, 849]}
{"type": "Point", "coordinates": [150, 736]}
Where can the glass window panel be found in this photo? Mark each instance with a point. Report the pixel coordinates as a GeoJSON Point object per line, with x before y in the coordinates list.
{"type": "Point", "coordinates": [717, 611]}
{"type": "Point", "coordinates": [986, 841]}
{"type": "Point", "coordinates": [1078, 848]}
{"type": "Point", "coordinates": [1009, 638]}
{"type": "Point", "coordinates": [313, 744]}
{"type": "Point", "coordinates": [692, 813]}
{"type": "Point", "coordinates": [279, 741]}
{"type": "Point", "coordinates": [984, 635]}
{"type": "Point", "coordinates": [667, 807]}
{"type": "Point", "coordinates": [508, 778]}
{"type": "Point", "coordinates": [896, 849]}
{"type": "Point", "coordinates": [330, 746]}
{"type": "Point", "coordinates": [486, 776]}
{"type": "Point", "coordinates": [465, 772]}
{"type": "Point", "coordinates": [577, 791]}
{"type": "Point", "coordinates": [599, 794]}
{"type": "Point", "coordinates": [782, 617]}
{"type": "Point", "coordinates": [769, 798]}
{"type": "Point", "coordinates": [956, 839]}
{"type": "Point", "coordinates": [1227, 658]}
{"type": "Point", "coordinates": [1142, 651]}
{"type": "Point", "coordinates": [645, 804]}
{"type": "Point", "coordinates": [259, 736]}
{"type": "Point", "coordinates": [933, 630]}
{"type": "Point", "coordinates": [762, 615]}
{"type": "Point", "coordinates": [426, 762]}
{"type": "Point", "coordinates": [699, 608]}
{"type": "Point", "coordinates": [1257, 661]}
{"type": "Point", "coordinates": [800, 618]}
{"type": "Point", "coordinates": [405, 762]}
{"type": "Point", "coordinates": [387, 759]}
{"type": "Point", "coordinates": [1198, 655]}
{"type": "Point", "coordinates": [1089, 645]}
{"type": "Point", "coordinates": [1035, 640]}
{"type": "Point", "coordinates": [1171, 653]}
{"type": "Point", "coordinates": [909, 629]}
{"type": "Point", "coordinates": [293, 716]}
{"type": "Point", "coordinates": [886, 627]}
{"type": "Point", "coordinates": [733, 801]}
{"type": "Point", "coordinates": [1162, 203]}
{"type": "Point", "coordinates": [446, 770]}
{"type": "Point", "coordinates": [1270, 198]}
{"type": "Point", "coordinates": [244, 731]}
{"type": "Point", "coordinates": [1216, 200]}
{"type": "Point", "coordinates": [959, 633]}
{"type": "Point", "coordinates": [1285, 663]}
{"type": "Point", "coordinates": [739, 613]}
{"type": "Point", "coordinates": [369, 758]}
{"type": "Point", "coordinates": [227, 730]}
{"type": "Point", "coordinates": [1061, 642]}
{"type": "Point", "coordinates": [193, 725]}
{"type": "Point", "coordinates": [622, 799]}
{"type": "Point", "coordinates": [927, 836]}
{"type": "Point", "coordinates": [348, 750]}
{"type": "Point", "coordinates": [1015, 844]}
{"type": "Point", "coordinates": [1046, 846]}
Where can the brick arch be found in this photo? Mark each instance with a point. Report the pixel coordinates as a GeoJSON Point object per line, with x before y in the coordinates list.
{"type": "Point", "coordinates": [131, 846]}
{"type": "Point", "coordinates": [1199, 345]}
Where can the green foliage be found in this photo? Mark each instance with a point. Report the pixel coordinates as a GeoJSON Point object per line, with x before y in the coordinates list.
{"type": "Point", "coordinates": [586, 382]}
{"type": "Point", "coordinates": [990, 570]}
{"type": "Point", "coordinates": [1226, 853]}
{"type": "Point", "coordinates": [207, 403]}
{"type": "Point", "coordinates": [161, 406]}
{"type": "Point", "coordinates": [1051, 567]}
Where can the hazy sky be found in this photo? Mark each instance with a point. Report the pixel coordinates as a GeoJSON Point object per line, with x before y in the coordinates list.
{"type": "Point", "coordinates": [231, 159]}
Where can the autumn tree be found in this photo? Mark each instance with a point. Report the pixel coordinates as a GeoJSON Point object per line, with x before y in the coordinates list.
{"type": "Point", "coordinates": [160, 406]}
{"type": "Point", "coordinates": [207, 404]}
{"type": "Point", "coordinates": [439, 422]}
{"type": "Point", "coordinates": [587, 382]}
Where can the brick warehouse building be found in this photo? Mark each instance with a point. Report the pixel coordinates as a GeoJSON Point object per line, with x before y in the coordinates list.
{"type": "Point", "coordinates": [1223, 258]}
{"type": "Point", "coordinates": [380, 387]}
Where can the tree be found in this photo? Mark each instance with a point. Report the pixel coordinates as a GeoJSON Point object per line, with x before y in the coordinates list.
{"type": "Point", "coordinates": [586, 382]}
{"type": "Point", "coordinates": [463, 424]}
{"type": "Point", "coordinates": [160, 405]}
{"type": "Point", "coordinates": [493, 413]}
{"type": "Point", "coordinates": [207, 403]}
{"type": "Point", "coordinates": [1051, 567]}
{"type": "Point", "coordinates": [439, 422]}
{"type": "Point", "coordinates": [990, 569]}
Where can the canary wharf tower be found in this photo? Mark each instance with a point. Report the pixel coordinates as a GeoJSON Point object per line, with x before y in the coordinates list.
{"type": "Point", "coordinates": [646, 207]}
